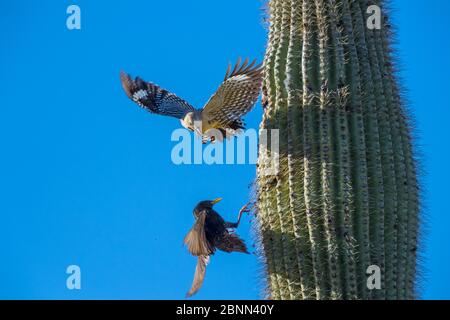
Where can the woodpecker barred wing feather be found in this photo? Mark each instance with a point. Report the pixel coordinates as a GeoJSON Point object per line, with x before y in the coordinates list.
{"type": "Point", "coordinates": [153, 98]}
{"type": "Point", "coordinates": [195, 240]}
{"type": "Point", "coordinates": [235, 97]}
{"type": "Point", "coordinates": [199, 276]}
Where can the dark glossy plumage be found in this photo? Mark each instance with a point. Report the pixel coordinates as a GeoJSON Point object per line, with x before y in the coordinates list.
{"type": "Point", "coordinates": [209, 233]}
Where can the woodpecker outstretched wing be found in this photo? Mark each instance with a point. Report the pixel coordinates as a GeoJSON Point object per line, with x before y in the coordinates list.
{"type": "Point", "coordinates": [153, 98]}
{"type": "Point", "coordinates": [235, 96]}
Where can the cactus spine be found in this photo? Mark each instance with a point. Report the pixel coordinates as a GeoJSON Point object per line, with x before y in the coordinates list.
{"type": "Point", "coordinates": [345, 196]}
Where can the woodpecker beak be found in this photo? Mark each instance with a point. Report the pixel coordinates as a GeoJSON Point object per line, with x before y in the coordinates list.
{"type": "Point", "coordinates": [198, 131]}
{"type": "Point", "coordinates": [216, 200]}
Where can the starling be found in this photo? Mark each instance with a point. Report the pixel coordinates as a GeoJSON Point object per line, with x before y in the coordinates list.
{"type": "Point", "coordinates": [211, 232]}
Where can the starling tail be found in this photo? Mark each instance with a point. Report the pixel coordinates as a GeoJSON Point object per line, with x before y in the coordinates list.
{"type": "Point", "coordinates": [199, 276]}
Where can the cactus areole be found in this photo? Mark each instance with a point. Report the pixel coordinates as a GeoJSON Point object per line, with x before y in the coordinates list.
{"type": "Point", "coordinates": [339, 219]}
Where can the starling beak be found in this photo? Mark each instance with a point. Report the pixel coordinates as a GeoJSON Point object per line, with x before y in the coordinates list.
{"type": "Point", "coordinates": [209, 233]}
{"type": "Point", "coordinates": [216, 200]}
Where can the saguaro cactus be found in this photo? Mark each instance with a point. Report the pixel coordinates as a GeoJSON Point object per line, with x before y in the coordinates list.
{"type": "Point", "coordinates": [345, 196]}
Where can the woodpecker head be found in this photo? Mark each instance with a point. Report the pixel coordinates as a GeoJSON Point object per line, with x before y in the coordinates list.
{"type": "Point", "coordinates": [205, 205]}
{"type": "Point", "coordinates": [193, 121]}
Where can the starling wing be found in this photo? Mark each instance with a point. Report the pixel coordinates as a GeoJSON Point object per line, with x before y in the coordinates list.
{"type": "Point", "coordinates": [200, 270]}
{"type": "Point", "coordinates": [196, 240]}
{"type": "Point", "coordinates": [230, 242]}
{"type": "Point", "coordinates": [234, 98]}
{"type": "Point", "coordinates": [153, 98]}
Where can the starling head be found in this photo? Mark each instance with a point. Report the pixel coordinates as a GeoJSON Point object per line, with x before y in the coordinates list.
{"type": "Point", "coordinates": [206, 204]}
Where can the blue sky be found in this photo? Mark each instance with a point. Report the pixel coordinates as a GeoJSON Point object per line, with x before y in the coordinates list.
{"type": "Point", "coordinates": [86, 176]}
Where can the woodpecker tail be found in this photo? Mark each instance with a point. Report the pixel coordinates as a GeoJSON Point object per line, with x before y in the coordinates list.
{"type": "Point", "coordinates": [237, 124]}
{"type": "Point", "coordinates": [200, 271]}
{"type": "Point", "coordinates": [234, 128]}
{"type": "Point", "coordinates": [232, 243]}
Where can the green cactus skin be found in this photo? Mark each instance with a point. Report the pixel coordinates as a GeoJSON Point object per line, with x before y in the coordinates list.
{"type": "Point", "coordinates": [346, 194]}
